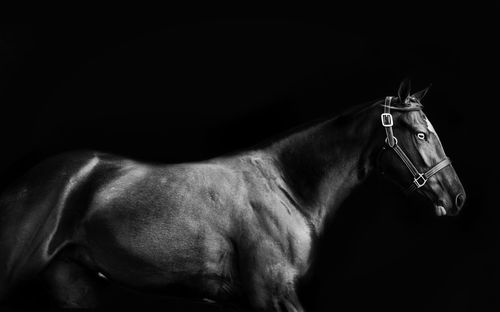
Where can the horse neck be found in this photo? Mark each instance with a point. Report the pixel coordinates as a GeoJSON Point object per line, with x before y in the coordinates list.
{"type": "Point", "coordinates": [322, 164]}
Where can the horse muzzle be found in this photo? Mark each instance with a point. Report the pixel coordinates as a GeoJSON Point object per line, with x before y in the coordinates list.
{"type": "Point", "coordinates": [450, 206]}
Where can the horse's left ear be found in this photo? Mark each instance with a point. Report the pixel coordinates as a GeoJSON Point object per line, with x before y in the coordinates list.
{"type": "Point", "coordinates": [420, 94]}
{"type": "Point", "coordinates": [404, 90]}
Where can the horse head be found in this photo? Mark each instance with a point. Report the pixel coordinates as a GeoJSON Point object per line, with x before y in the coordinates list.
{"type": "Point", "coordinates": [413, 155]}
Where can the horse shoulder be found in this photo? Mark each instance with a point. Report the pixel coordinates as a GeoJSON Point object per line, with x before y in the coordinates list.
{"type": "Point", "coordinates": [276, 229]}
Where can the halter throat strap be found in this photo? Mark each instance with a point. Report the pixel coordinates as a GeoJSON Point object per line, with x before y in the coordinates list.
{"type": "Point", "coordinates": [419, 179]}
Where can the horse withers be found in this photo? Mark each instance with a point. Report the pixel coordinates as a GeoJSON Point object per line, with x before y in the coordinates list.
{"type": "Point", "coordinates": [233, 228]}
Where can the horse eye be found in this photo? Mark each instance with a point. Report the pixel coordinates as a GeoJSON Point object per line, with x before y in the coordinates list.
{"type": "Point", "coordinates": [421, 135]}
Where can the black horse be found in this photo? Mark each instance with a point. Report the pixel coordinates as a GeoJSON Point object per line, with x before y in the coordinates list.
{"type": "Point", "coordinates": [238, 226]}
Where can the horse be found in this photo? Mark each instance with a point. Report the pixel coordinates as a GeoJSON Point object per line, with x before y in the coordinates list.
{"type": "Point", "coordinates": [242, 226]}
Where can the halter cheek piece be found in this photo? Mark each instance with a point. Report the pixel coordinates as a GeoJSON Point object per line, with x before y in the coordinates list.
{"type": "Point", "coordinates": [419, 179]}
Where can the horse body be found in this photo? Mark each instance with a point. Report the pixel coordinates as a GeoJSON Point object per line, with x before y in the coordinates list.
{"type": "Point", "coordinates": [150, 226]}
{"type": "Point", "coordinates": [242, 226]}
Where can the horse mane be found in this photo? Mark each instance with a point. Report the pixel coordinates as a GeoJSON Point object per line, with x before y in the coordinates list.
{"type": "Point", "coordinates": [349, 112]}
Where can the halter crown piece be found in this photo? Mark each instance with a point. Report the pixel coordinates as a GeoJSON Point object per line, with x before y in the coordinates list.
{"type": "Point", "coordinates": [419, 179]}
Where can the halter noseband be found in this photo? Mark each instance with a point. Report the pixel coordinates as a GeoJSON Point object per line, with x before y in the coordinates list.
{"type": "Point", "coordinates": [419, 179]}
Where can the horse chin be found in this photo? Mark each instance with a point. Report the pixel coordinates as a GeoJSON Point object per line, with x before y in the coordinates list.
{"type": "Point", "coordinates": [440, 210]}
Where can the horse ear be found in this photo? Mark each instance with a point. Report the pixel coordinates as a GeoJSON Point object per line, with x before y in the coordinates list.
{"type": "Point", "coordinates": [404, 90]}
{"type": "Point", "coordinates": [421, 94]}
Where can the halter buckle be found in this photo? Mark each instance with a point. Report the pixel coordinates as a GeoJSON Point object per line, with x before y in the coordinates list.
{"type": "Point", "coordinates": [420, 180]}
{"type": "Point", "coordinates": [386, 120]}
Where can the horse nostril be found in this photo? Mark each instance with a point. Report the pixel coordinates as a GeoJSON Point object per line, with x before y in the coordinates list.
{"type": "Point", "coordinates": [459, 200]}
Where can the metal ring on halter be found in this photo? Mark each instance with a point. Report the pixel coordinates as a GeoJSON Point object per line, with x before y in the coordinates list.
{"type": "Point", "coordinates": [395, 140]}
{"type": "Point", "coordinates": [421, 176]}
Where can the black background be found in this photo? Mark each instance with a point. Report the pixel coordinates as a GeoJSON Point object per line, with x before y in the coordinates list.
{"type": "Point", "coordinates": [196, 87]}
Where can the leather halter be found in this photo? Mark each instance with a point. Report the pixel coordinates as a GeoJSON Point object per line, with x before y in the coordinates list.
{"type": "Point", "coordinates": [419, 178]}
